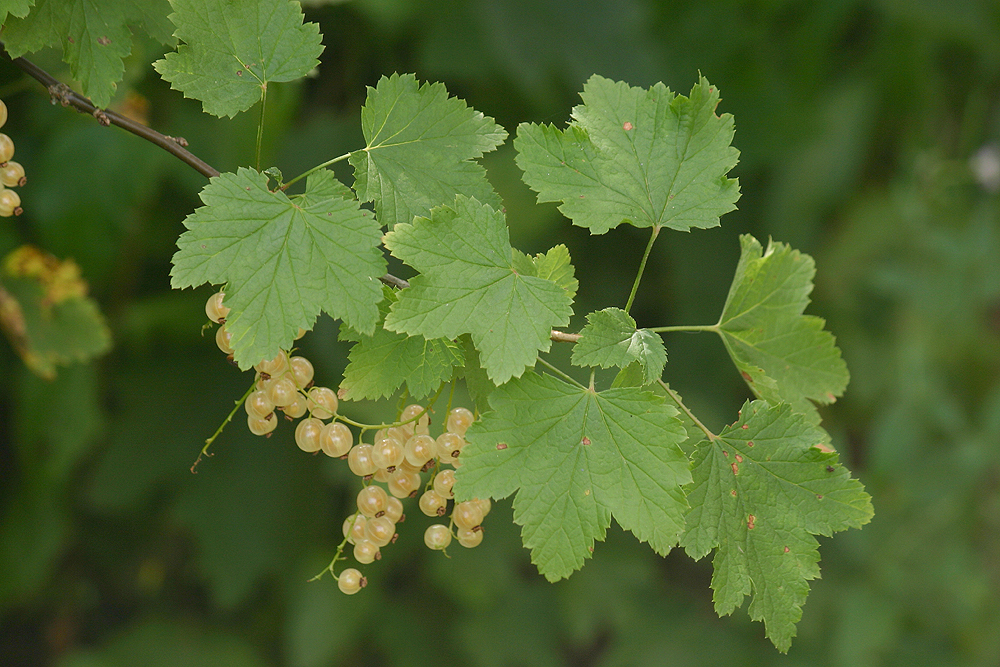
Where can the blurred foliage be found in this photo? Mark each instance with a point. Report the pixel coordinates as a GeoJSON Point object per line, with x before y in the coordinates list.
{"type": "Point", "coordinates": [870, 138]}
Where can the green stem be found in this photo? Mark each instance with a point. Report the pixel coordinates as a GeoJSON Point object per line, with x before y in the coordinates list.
{"type": "Point", "coordinates": [685, 327]}
{"type": "Point", "coordinates": [559, 373]}
{"type": "Point", "coordinates": [642, 267]}
{"type": "Point", "coordinates": [675, 397]}
{"type": "Point", "coordinates": [374, 427]}
{"type": "Point", "coordinates": [324, 165]}
{"type": "Point", "coordinates": [338, 553]}
{"type": "Point", "coordinates": [260, 126]}
{"type": "Point", "coordinates": [218, 431]}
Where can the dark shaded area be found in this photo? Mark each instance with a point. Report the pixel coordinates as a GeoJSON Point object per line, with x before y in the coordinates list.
{"type": "Point", "coordinates": [870, 138]}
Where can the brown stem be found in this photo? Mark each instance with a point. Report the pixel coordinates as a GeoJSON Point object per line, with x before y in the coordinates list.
{"type": "Point", "coordinates": [174, 145]}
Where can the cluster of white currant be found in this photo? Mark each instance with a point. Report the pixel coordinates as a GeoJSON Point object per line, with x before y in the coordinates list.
{"type": "Point", "coordinates": [11, 173]}
{"type": "Point", "coordinates": [400, 454]}
{"type": "Point", "coordinates": [398, 457]}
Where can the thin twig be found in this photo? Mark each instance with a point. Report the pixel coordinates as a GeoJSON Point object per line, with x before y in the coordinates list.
{"type": "Point", "coordinates": [60, 92]}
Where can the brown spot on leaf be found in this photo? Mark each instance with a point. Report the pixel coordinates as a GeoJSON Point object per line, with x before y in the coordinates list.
{"type": "Point", "coordinates": [736, 469]}
{"type": "Point", "coordinates": [787, 550]}
{"type": "Point", "coordinates": [627, 126]}
{"type": "Point", "coordinates": [746, 376]}
{"type": "Point", "coordinates": [751, 521]}
{"type": "Point", "coordinates": [739, 459]}
{"type": "Point", "coordinates": [819, 496]}
{"type": "Point", "coordinates": [103, 41]}
{"type": "Point", "coordinates": [744, 427]}
{"type": "Point", "coordinates": [585, 441]}
{"type": "Point", "coordinates": [749, 443]}
{"type": "Point", "coordinates": [829, 468]}
{"type": "Point", "coordinates": [501, 445]}
{"type": "Point", "coordinates": [733, 493]}
{"type": "Point", "coordinates": [825, 448]}
{"type": "Point", "coordinates": [725, 453]}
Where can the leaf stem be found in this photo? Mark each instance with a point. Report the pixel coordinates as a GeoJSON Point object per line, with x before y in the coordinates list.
{"type": "Point", "coordinates": [218, 431]}
{"type": "Point", "coordinates": [339, 158]}
{"type": "Point", "coordinates": [675, 397]}
{"type": "Point", "coordinates": [642, 267]}
{"type": "Point", "coordinates": [685, 327]}
{"type": "Point", "coordinates": [260, 126]}
{"type": "Point", "coordinates": [373, 427]}
{"type": "Point", "coordinates": [559, 373]}
{"type": "Point", "coordinates": [340, 552]}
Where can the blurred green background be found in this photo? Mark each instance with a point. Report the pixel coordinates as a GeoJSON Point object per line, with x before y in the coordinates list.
{"type": "Point", "coordinates": [870, 138]}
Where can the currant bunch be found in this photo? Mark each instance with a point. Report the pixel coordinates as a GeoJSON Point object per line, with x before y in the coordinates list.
{"type": "Point", "coordinates": [11, 173]}
{"type": "Point", "coordinates": [391, 467]}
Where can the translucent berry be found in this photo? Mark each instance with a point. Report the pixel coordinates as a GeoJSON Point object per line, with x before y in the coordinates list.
{"type": "Point", "coordinates": [12, 174]}
{"type": "Point", "coordinates": [380, 530]}
{"type": "Point", "coordinates": [258, 404]}
{"type": "Point", "coordinates": [403, 483]}
{"type": "Point", "coordinates": [261, 426]}
{"type": "Point", "coordinates": [302, 371]}
{"type": "Point", "coordinates": [420, 449]}
{"type": "Point", "coordinates": [273, 367]}
{"type": "Point", "coordinates": [214, 308]}
{"type": "Point", "coordinates": [467, 515]}
{"type": "Point", "coordinates": [459, 420]}
{"type": "Point", "coordinates": [449, 445]}
{"type": "Point", "coordinates": [281, 390]}
{"type": "Point", "coordinates": [307, 434]}
{"type": "Point", "coordinates": [372, 501]}
{"type": "Point", "coordinates": [470, 538]}
{"type": "Point", "coordinates": [322, 402]}
{"type": "Point", "coordinates": [433, 503]}
{"type": "Point", "coordinates": [365, 551]}
{"type": "Point", "coordinates": [336, 439]}
{"type": "Point", "coordinates": [350, 581]}
{"type": "Point", "coordinates": [354, 528]}
{"type": "Point", "coordinates": [443, 482]}
{"type": "Point", "coordinates": [359, 460]}
{"type": "Point", "coordinates": [394, 510]}
{"type": "Point", "coordinates": [437, 537]}
{"type": "Point", "coordinates": [224, 340]}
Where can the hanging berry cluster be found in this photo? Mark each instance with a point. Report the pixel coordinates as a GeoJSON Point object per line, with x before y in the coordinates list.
{"type": "Point", "coordinates": [11, 173]}
{"type": "Point", "coordinates": [400, 455]}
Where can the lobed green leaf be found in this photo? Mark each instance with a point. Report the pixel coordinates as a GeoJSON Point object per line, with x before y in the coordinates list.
{"type": "Point", "coordinates": [650, 158]}
{"type": "Point", "coordinates": [419, 148]}
{"type": "Point", "coordinates": [283, 260]}
{"type": "Point", "coordinates": [784, 356]}
{"type": "Point", "coordinates": [576, 458]}
{"type": "Point", "coordinates": [230, 50]}
{"type": "Point", "coordinates": [761, 490]}
{"type": "Point", "coordinates": [611, 339]}
{"type": "Point", "coordinates": [469, 284]}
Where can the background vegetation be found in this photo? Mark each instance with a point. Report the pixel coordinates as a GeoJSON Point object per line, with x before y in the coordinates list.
{"type": "Point", "coordinates": [870, 138]}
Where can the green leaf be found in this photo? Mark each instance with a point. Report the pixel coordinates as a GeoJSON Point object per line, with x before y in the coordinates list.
{"type": "Point", "coordinates": [647, 157]}
{"type": "Point", "coordinates": [94, 36]}
{"type": "Point", "coordinates": [46, 313]}
{"type": "Point", "coordinates": [476, 380]}
{"type": "Point", "coordinates": [760, 493]}
{"type": "Point", "coordinates": [18, 8]}
{"type": "Point", "coordinates": [468, 284]}
{"type": "Point", "coordinates": [553, 265]}
{"type": "Point", "coordinates": [783, 355]}
{"type": "Point", "coordinates": [379, 364]}
{"type": "Point", "coordinates": [419, 148]}
{"type": "Point", "coordinates": [284, 259]}
{"type": "Point", "coordinates": [232, 49]}
{"type": "Point", "coordinates": [577, 458]}
{"type": "Point", "coordinates": [611, 339]}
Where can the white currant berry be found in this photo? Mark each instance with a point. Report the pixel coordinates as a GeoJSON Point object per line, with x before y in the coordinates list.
{"type": "Point", "coordinates": [403, 483]}
{"type": "Point", "coordinates": [365, 551]}
{"type": "Point", "coordinates": [214, 308]}
{"type": "Point", "coordinates": [359, 460]}
{"type": "Point", "coordinates": [448, 446]}
{"type": "Point", "coordinates": [301, 332]}
{"type": "Point", "coordinates": [381, 475]}
{"type": "Point", "coordinates": [467, 515]}
{"type": "Point", "coordinates": [6, 147]}
{"type": "Point", "coordinates": [281, 390]}
{"type": "Point", "coordinates": [470, 538]}
{"type": "Point", "coordinates": [350, 581]}
{"type": "Point", "coordinates": [372, 501]}
{"type": "Point", "coordinates": [258, 404]}
{"type": "Point", "coordinates": [394, 509]}
{"type": "Point", "coordinates": [437, 537]}
{"type": "Point", "coordinates": [322, 402]}
{"type": "Point", "coordinates": [297, 408]}
{"type": "Point", "coordinates": [224, 340]}
{"type": "Point", "coordinates": [485, 505]}
{"type": "Point", "coordinates": [10, 203]}
{"type": "Point", "coordinates": [261, 426]}
{"type": "Point", "coordinates": [302, 371]}
{"type": "Point", "coordinates": [273, 367]}
{"type": "Point", "coordinates": [419, 449]}
{"type": "Point", "coordinates": [433, 503]}
{"type": "Point", "coordinates": [354, 528]}
{"type": "Point", "coordinates": [12, 174]}
{"type": "Point", "coordinates": [380, 530]}
{"type": "Point", "coordinates": [443, 482]}
{"type": "Point", "coordinates": [336, 439]}
{"type": "Point", "coordinates": [387, 453]}
{"type": "Point", "coordinates": [3, 113]}
{"type": "Point", "coordinates": [307, 434]}
{"type": "Point", "coordinates": [459, 420]}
